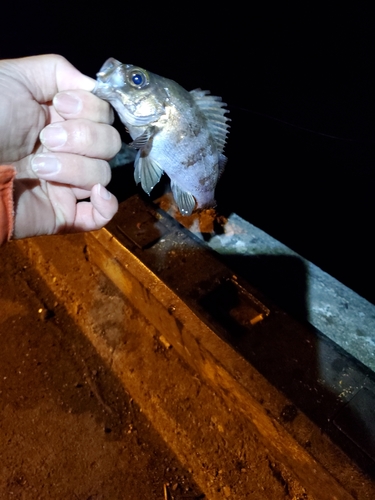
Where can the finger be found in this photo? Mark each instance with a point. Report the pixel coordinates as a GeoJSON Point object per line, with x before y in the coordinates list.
{"type": "Point", "coordinates": [96, 213]}
{"type": "Point", "coordinates": [83, 137]}
{"type": "Point", "coordinates": [82, 104]}
{"type": "Point", "coordinates": [74, 170]}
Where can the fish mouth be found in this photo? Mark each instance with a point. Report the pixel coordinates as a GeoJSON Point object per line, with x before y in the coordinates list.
{"type": "Point", "coordinates": [107, 69]}
{"type": "Point", "coordinates": [111, 78]}
{"type": "Point", "coordinates": [108, 78]}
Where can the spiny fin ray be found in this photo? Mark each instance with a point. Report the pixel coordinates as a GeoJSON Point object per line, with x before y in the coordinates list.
{"type": "Point", "coordinates": [214, 110]}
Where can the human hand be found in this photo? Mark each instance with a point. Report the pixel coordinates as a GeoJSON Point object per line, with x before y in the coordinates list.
{"type": "Point", "coordinates": [58, 136]}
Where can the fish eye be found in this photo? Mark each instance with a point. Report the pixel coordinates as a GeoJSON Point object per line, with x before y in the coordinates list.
{"type": "Point", "coordinates": [138, 79]}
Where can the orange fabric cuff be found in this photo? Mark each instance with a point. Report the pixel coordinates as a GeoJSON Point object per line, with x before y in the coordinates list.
{"type": "Point", "coordinates": [7, 174]}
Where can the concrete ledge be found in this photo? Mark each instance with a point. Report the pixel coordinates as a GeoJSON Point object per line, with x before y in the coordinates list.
{"type": "Point", "coordinates": [338, 312]}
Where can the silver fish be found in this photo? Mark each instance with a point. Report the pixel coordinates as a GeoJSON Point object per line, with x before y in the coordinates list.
{"type": "Point", "coordinates": [175, 131]}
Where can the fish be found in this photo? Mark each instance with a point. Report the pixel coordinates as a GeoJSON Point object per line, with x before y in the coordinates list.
{"type": "Point", "coordinates": [175, 131]}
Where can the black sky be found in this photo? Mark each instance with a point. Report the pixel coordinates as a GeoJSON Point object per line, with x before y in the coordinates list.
{"type": "Point", "coordinates": [300, 88]}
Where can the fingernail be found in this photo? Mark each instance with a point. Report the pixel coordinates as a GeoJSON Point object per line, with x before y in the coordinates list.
{"type": "Point", "coordinates": [53, 136]}
{"type": "Point", "coordinates": [104, 193]}
{"type": "Point", "coordinates": [65, 102]}
{"type": "Point", "coordinates": [45, 164]}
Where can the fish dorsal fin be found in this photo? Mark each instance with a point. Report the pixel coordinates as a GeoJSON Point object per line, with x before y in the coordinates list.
{"type": "Point", "coordinates": [214, 110]}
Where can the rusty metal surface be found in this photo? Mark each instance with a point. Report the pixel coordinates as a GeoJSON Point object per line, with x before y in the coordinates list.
{"type": "Point", "coordinates": [209, 436]}
{"type": "Point", "coordinates": [143, 239]}
{"type": "Point", "coordinates": [182, 262]}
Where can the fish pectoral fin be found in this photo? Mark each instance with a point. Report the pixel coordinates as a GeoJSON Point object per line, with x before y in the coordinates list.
{"type": "Point", "coordinates": [143, 139]}
{"type": "Point", "coordinates": [147, 172]}
{"type": "Point", "coordinates": [184, 200]}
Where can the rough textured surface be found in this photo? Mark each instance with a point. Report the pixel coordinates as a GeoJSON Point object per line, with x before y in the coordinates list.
{"type": "Point", "coordinates": [170, 276]}
{"type": "Point", "coordinates": [68, 428]}
{"type": "Point", "coordinates": [78, 422]}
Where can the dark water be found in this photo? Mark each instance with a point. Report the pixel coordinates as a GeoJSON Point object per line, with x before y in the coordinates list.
{"type": "Point", "coordinates": [300, 87]}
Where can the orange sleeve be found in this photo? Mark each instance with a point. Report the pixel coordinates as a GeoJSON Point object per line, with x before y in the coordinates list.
{"type": "Point", "coordinates": [7, 174]}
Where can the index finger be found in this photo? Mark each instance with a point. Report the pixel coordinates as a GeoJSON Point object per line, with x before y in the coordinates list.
{"type": "Point", "coordinates": [46, 75]}
{"type": "Point", "coordinates": [73, 104]}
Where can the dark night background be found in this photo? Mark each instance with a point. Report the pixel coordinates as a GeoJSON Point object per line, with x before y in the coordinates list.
{"type": "Point", "coordinates": [300, 88]}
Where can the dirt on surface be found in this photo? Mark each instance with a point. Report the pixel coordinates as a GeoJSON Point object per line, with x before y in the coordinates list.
{"type": "Point", "coordinates": [69, 429]}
